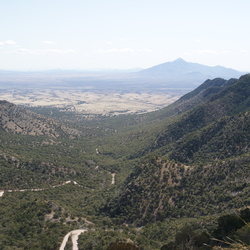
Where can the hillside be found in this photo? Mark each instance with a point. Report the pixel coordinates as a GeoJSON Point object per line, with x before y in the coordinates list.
{"type": "Point", "coordinates": [214, 107]}
{"type": "Point", "coordinates": [188, 124]}
{"type": "Point", "coordinates": [145, 180]}
{"type": "Point", "coordinates": [17, 120]}
{"type": "Point", "coordinates": [162, 189]}
{"type": "Point", "coordinates": [203, 162]}
{"type": "Point", "coordinates": [188, 101]}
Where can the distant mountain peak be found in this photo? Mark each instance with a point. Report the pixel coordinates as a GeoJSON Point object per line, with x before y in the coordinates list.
{"type": "Point", "coordinates": [190, 73]}
{"type": "Point", "coordinates": [179, 60]}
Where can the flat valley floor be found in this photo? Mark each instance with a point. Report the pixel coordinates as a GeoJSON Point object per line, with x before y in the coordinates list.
{"type": "Point", "coordinates": [99, 102]}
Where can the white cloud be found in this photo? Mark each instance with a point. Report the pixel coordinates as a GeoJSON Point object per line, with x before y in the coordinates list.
{"type": "Point", "coordinates": [207, 51]}
{"type": "Point", "coordinates": [198, 40]}
{"type": "Point", "coordinates": [201, 52]}
{"type": "Point", "coordinates": [24, 51]}
{"type": "Point", "coordinates": [109, 43]}
{"type": "Point", "coordinates": [188, 53]}
{"type": "Point", "coordinates": [225, 52]}
{"type": "Point", "coordinates": [21, 51]}
{"type": "Point", "coordinates": [145, 50]}
{"type": "Point", "coordinates": [60, 51]}
{"type": "Point", "coordinates": [244, 51]}
{"type": "Point", "coordinates": [123, 50]}
{"type": "Point", "coordinates": [48, 42]}
{"type": "Point", "coordinates": [7, 42]}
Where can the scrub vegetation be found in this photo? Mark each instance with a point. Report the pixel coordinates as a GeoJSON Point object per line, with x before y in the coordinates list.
{"type": "Point", "coordinates": [175, 178]}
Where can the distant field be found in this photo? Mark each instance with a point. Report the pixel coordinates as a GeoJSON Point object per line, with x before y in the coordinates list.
{"type": "Point", "coordinates": [92, 101]}
{"type": "Point", "coordinates": [85, 93]}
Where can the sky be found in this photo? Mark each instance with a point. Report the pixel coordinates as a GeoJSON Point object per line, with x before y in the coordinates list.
{"type": "Point", "coordinates": [123, 34]}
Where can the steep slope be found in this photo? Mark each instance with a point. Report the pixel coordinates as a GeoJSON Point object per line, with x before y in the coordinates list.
{"type": "Point", "coordinates": [161, 189]}
{"type": "Point", "coordinates": [227, 137]}
{"type": "Point", "coordinates": [226, 107]}
{"type": "Point", "coordinates": [197, 114]}
{"type": "Point", "coordinates": [196, 97]}
{"type": "Point", "coordinates": [207, 167]}
{"type": "Point", "coordinates": [37, 151]}
{"type": "Point", "coordinates": [17, 120]}
{"type": "Point", "coordinates": [19, 174]}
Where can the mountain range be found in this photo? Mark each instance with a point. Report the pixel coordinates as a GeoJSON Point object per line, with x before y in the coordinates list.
{"type": "Point", "coordinates": [177, 74]}
{"type": "Point", "coordinates": [182, 72]}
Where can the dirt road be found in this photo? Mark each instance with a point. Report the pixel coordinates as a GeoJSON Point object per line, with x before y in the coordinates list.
{"type": "Point", "coordinates": [74, 237]}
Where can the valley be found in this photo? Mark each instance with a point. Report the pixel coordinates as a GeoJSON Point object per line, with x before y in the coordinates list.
{"type": "Point", "coordinates": [146, 169]}
{"type": "Point", "coordinates": [125, 125]}
{"type": "Point", "coordinates": [111, 93]}
{"type": "Point", "coordinates": [92, 102]}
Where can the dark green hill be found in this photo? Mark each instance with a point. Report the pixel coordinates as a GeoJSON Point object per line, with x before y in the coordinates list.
{"type": "Point", "coordinates": [187, 160]}
{"type": "Point", "coordinates": [137, 135]}
{"type": "Point", "coordinates": [225, 138]}
{"type": "Point", "coordinates": [200, 95]}
{"type": "Point", "coordinates": [211, 135]}
{"type": "Point", "coordinates": [188, 125]}
{"type": "Point", "coordinates": [161, 189]}
{"type": "Point", "coordinates": [225, 109]}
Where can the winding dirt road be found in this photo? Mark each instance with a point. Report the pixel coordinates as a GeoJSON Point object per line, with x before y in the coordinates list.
{"type": "Point", "coordinates": [73, 234]}
{"type": "Point", "coordinates": [74, 237]}
{"type": "Point", "coordinates": [37, 189]}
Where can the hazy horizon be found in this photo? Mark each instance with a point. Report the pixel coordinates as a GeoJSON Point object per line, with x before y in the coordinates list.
{"type": "Point", "coordinates": [96, 71]}
{"type": "Point", "coordinates": [115, 35]}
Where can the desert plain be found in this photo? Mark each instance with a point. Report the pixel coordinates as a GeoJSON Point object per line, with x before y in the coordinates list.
{"type": "Point", "coordinates": [100, 102]}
